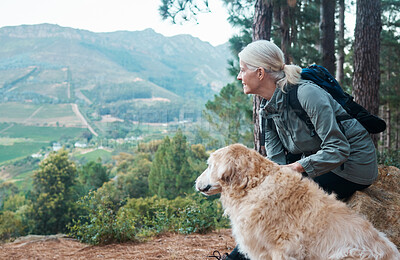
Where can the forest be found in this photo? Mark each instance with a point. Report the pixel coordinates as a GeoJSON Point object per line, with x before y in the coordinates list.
{"type": "Point", "coordinates": [147, 189]}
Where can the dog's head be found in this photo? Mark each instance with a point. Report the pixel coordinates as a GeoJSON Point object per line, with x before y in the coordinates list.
{"type": "Point", "coordinates": [233, 167]}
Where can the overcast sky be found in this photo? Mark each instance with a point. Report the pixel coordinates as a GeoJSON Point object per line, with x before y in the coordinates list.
{"type": "Point", "coordinates": [114, 15]}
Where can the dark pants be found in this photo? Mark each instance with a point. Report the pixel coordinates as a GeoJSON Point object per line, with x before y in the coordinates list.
{"type": "Point", "coordinates": [330, 182]}
{"type": "Point", "coordinates": [343, 188]}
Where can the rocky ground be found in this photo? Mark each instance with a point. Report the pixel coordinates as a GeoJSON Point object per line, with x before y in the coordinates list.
{"type": "Point", "coordinates": [169, 246]}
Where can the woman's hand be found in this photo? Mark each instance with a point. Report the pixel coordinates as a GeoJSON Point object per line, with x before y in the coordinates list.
{"type": "Point", "coordinates": [296, 167]}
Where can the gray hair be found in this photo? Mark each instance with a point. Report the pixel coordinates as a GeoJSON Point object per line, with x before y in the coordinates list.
{"type": "Point", "coordinates": [266, 54]}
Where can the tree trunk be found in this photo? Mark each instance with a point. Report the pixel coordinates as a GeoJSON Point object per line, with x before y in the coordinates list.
{"type": "Point", "coordinates": [261, 30]}
{"type": "Point", "coordinates": [340, 60]}
{"type": "Point", "coordinates": [366, 79]}
{"type": "Point", "coordinates": [327, 34]}
{"type": "Point", "coordinates": [262, 22]}
{"type": "Point", "coordinates": [285, 39]}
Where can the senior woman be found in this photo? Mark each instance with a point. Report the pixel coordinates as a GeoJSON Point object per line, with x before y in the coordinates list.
{"type": "Point", "coordinates": [340, 156]}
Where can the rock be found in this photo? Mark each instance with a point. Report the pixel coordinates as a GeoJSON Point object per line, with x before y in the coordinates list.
{"type": "Point", "coordinates": [22, 241]}
{"type": "Point", "coordinates": [380, 203]}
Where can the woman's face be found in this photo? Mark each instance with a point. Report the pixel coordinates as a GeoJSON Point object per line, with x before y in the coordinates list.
{"type": "Point", "coordinates": [256, 81]}
{"type": "Point", "coordinates": [250, 79]}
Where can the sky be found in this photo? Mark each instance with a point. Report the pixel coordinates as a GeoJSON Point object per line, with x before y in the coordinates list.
{"type": "Point", "coordinates": [115, 15]}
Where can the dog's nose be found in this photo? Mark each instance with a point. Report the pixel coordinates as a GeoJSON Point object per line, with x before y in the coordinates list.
{"type": "Point", "coordinates": [207, 188]}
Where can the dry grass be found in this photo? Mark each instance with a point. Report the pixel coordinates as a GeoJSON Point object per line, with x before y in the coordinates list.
{"type": "Point", "coordinates": [169, 246]}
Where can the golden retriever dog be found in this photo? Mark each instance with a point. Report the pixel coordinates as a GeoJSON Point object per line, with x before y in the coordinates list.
{"type": "Point", "coordinates": [278, 214]}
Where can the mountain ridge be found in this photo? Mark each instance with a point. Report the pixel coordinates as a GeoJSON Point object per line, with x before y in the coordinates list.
{"type": "Point", "coordinates": [182, 64]}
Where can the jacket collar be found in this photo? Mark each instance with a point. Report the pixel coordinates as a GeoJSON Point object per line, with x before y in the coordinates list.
{"type": "Point", "coordinates": [273, 105]}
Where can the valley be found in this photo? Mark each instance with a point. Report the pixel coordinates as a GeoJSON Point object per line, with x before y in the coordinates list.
{"type": "Point", "coordinates": [99, 90]}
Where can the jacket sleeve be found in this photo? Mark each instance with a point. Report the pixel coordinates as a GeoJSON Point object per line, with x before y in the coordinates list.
{"type": "Point", "coordinates": [273, 144]}
{"type": "Point", "coordinates": [335, 148]}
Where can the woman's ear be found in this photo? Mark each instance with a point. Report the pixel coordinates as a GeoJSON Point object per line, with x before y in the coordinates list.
{"type": "Point", "coordinates": [260, 73]}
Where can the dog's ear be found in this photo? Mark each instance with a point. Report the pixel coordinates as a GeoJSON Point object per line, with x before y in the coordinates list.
{"type": "Point", "coordinates": [225, 170]}
{"type": "Point", "coordinates": [239, 167]}
{"type": "Point", "coordinates": [232, 168]}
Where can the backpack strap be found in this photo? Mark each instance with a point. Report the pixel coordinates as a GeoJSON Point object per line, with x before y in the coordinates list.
{"type": "Point", "coordinates": [262, 131]}
{"type": "Point", "coordinates": [294, 102]}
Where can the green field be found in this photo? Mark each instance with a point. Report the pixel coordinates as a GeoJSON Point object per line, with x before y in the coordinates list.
{"type": "Point", "coordinates": [42, 115]}
{"type": "Point", "coordinates": [16, 112]}
{"type": "Point", "coordinates": [19, 150]}
{"type": "Point", "coordinates": [18, 141]}
{"type": "Point", "coordinates": [104, 155]}
{"type": "Point", "coordinates": [39, 133]}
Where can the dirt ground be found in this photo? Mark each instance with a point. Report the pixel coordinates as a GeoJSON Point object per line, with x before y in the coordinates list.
{"type": "Point", "coordinates": [169, 246]}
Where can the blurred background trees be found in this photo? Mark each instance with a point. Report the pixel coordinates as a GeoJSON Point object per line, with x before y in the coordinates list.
{"type": "Point", "coordinates": [314, 31]}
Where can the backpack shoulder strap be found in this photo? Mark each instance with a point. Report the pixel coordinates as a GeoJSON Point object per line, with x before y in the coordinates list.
{"type": "Point", "coordinates": [294, 102]}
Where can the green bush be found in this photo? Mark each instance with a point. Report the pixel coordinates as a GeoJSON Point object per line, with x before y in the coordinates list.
{"type": "Point", "coordinates": [389, 158]}
{"type": "Point", "coordinates": [192, 214]}
{"type": "Point", "coordinates": [11, 225]}
{"type": "Point", "coordinates": [142, 218]}
{"type": "Point", "coordinates": [98, 224]}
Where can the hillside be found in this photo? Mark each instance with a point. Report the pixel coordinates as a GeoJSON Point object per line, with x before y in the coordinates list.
{"type": "Point", "coordinates": [53, 63]}
{"type": "Point", "coordinates": [62, 85]}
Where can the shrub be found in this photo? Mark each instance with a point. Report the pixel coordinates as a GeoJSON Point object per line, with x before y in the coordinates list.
{"type": "Point", "coordinates": [141, 218]}
{"type": "Point", "coordinates": [99, 225]}
{"type": "Point", "coordinates": [192, 214]}
{"type": "Point", "coordinates": [11, 225]}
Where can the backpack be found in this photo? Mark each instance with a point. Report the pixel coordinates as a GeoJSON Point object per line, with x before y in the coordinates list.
{"type": "Point", "coordinates": [321, 77]}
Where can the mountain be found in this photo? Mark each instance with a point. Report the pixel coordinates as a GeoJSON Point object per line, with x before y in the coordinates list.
{"type": "Point", "coordinates": [49, 63]}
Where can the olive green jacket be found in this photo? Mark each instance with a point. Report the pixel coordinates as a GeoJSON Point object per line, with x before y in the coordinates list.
{"type": "Point", "coordinates": [349, 153]}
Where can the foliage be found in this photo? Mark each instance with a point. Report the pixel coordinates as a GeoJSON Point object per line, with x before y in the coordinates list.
{"type": "Point", "coordinates": [132, 174]}
{"type": "Point", "coordinates": [389, 67]}
{"type": "Point", "coordinates": [92, 175]}
{"type": "Point", "coordinates": [98, 223]}
{"type": "Point", "coordinates": [7, 189]}
{"type": "Point", "coordinates": [11, 225]}
{"type": "Point", "coordinates": [140, 218]}
{"type": "Point", "coordinates": [389, 158]}
{"type": "Point", "coordinates": [230, 113]}
{"type": "Point", "coordinates": [149, 147]}
{"type": "Point", "coordinates": [134, 184]}
{"type": "Point", "coordinates": [117, 92]}
{"type": "Point", "coordinates": [302, 22]}
{"type": "Point", "coordinates": [53, 195]}
{"type": "Point", "coordinates": [180, 11]}
{"type": "Point", "coordinates": [192, 214]}
{"type": "Point", "coordinates": [171, 174]}
{"type": "Point", "coordinates": [14, 202]}
{"type": "Point", "coordinates": [14, 220]}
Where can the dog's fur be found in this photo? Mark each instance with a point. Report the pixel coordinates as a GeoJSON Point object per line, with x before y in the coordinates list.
{"type": "Point", "coordinates": [277, 214]}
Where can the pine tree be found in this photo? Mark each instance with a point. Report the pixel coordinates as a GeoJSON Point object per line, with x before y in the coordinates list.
{"type": "Point", "coordinates": [390, 65]}
{"type": "Point", "coordinates": [171, 174]}
{"type": "Point", "coordinates": [158, 171]}
{"type": "Point", "coordinates": [229, 113]}
{"type": "Point", "coordinates": [92, 175]}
